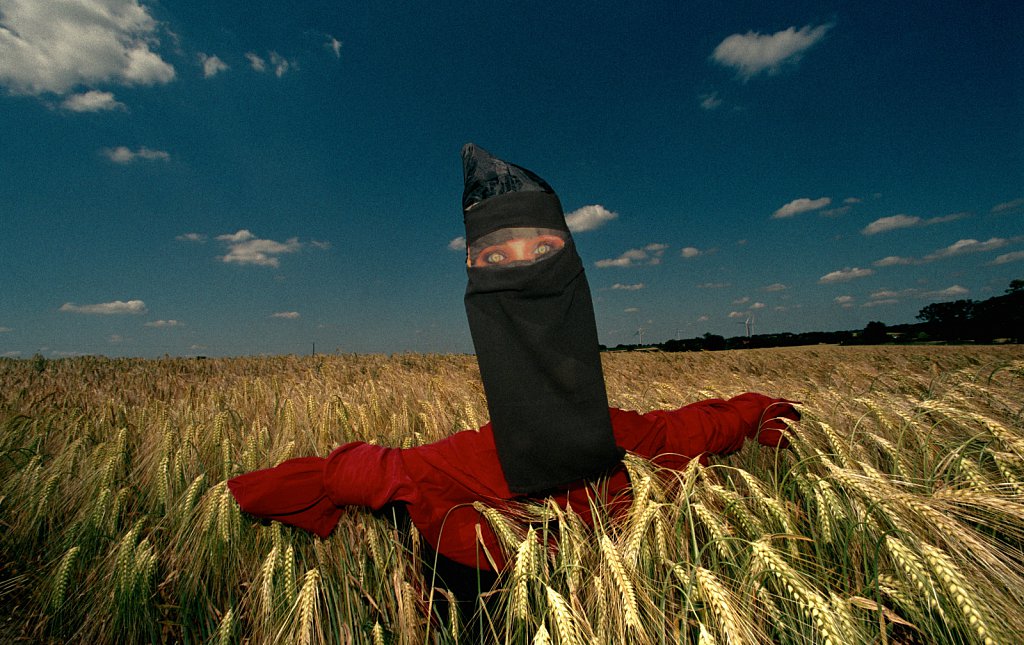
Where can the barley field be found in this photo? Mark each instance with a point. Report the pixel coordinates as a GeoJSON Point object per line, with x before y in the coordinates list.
{"type": "Point", "coordinates": [896, 517]}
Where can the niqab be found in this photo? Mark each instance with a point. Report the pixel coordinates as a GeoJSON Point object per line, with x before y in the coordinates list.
{"type": "Point", "coordinates": [532, 322]}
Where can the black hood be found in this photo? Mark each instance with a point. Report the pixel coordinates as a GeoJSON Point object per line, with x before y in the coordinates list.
{"type": "Point", "coordinates": [532, 321]}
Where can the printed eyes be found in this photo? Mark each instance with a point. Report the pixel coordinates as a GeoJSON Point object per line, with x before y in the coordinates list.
{"type": "Point", "coordinates": [497, 257]}
{"type": "Point", "coordinates": [518, 251]}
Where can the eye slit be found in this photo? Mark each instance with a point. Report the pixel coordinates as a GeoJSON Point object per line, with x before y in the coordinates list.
{"type": "Point", "coordinates": [495, 257]}
{"type": "Point", "coordinates": [542, 249]}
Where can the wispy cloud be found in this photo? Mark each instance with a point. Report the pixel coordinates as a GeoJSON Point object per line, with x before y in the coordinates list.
{"type": "Point", "coordinates": [132, 307]}
{"type": "Point", "coordinates": [1009, 206]}
{"type": "Point", "coordinates": [650, 254]}
{"type": "Point", "coordinates": [754, 53]}
{"type": "Point", "coordinates": [844, 301]}
{"type": "Point", "coordinates": [690, 252]}
{"type": "Point", "coordinates": [334, 45]}
{"type": "Point", "coordinates": [56, 46]}
{"type": "Point", "coordinates": [777, 286]}
{"type": "Point", "coordinates": [710, 101]}
{"type": "Point", "coordinates": [1006, 258]}
{"type": "Point", "coordinates": [4, 330]}
{"type": "Point", "coordinates": [212, 65]}
{"type": "Point", "coordinates": [256, 62]}
{"type": "Point", "coordinates": [628, 287]}
{"type": "Point", "coordinates": [893, 296]}
{"type": "Point", "coordinates": [92, 101]}
{"type": "Point", "coordinates": [191, 237]}
{"type": "Point", "coordinates": [962, 247]}
{"type": "Point", "coordinates": [589, 218]}
{"type": "Point", "coordinates": [893, 222]}
{"type": "Point", "coordinates": [457, 244]}
{"type": "Point", "coordinates": [124, 155]}
{"type": "Point", "coordinates": [801, 205]}
{"type": "Point", "coordinates": [714, 285]}
{"type": "Point", "coordinates": [246, 249]}
{"type": "Point", "coordinates": [278, 63]}
{"type": "Point", "coordinates": [164, 323]}
{"type": "Point", "coordinates": [844, 275]}
{"type": "Point", "coordinates": [287, 315]}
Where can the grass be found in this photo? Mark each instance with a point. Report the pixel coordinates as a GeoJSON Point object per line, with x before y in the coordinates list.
{"type": "Point", "coordinates": [896, 517]}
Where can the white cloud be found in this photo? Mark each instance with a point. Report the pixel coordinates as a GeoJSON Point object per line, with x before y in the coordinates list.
{"type": "Point", "coordinates": [116, 338]}
{"type": "Point", "coordinates": [92, 101]}
{"type": "Point", "coordinates": [741, 301]}
{"type": "Point", "coordinates": [631, 310]}
{"type": "Point", "coordinates": [132, 307]}
{"type": "Point", "coordinates": [843, 300]}
{"type": "Point", "coordinates": [778, 286]}
{"type": "Point", "coordinates": [4, 330]}
{"type": "Point", "coordinates": [891, 223]}
{"type": "Point", "coordinates": [589, 218]}
{"type": "Point", "coordinates": [650, 254]}
{"type": "Point", "coordinates": [690, 252]}
{"type": "Point", "coordinates": [1009, 257]}
{"type": "Point", "coordinates": [889, 294]}
{"type": "Point", "coordinates": [894, 222]}
{"type": "Point", "coordinates": [287, 315]}
{"type": "Point", "coordinates": [13, 354]}
{"type": "Point", "coordinates": [164, 323]}
{"type": "Point", "coordinates": [713, 285]}
{"type": "Point", "coordinates": [334, 45]}
{"type": "Point", "coordinates": [852, 200]}
{"type": "Point", "coordinates": [1011, 205]}
{"type": "Point", "coordinates": [245, 248]}
{"type": "Point", "coordinates": [457, 244]}
{"type": "Point", "coordinates": [753, 53]}
{"type": "Point", "coordinates": [801, 205]}
{"type": "Point", "coordinates": [281, 64]}
{"type": "Point", "coordinates": [191, 237]}
{"type": "Point", "coordinates": [212, 65]}
{"type": "Point", "coordinates": [710, 101]}
{"type": "Point", "coordinates": [758, 305]}
{"type": "Point", "coordinates": [844, 275]}
{"type": "Point", "coordinates": [57, 45]}
{"type": "Point", "coordinates": [256, 62]}
{"type": "Point", "coordinates": [894, 260]}
{"type": "Point", "coordinates": [738, 314]}
{"type": "Point", "coordinates": [949, 292]}
{"type": "Point", "coordinates": [879, 303]}
{"type": "Point", "coordinates": [961, 247]}
{"type": "Point", "coordinates": [628, 287]}
{"type": "Point", "coordinates": [124, 155]}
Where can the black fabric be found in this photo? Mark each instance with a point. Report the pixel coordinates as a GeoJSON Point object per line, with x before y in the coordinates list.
{"type": "Point", "coordinates": [535, 337]}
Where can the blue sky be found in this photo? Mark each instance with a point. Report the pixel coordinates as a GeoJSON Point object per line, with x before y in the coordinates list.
{"type": "Point", "coordinates": [232, 178]}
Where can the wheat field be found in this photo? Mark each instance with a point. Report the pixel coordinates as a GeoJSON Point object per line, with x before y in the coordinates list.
{"type": "Point", "coordinates": [896, 517]}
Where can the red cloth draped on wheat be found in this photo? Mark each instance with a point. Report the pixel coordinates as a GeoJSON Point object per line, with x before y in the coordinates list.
{"type": "Point", "coordinates": [440, 481]}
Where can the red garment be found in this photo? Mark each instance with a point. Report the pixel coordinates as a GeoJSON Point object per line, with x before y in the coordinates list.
{"type": "Point", "coordinates": [440, 481]}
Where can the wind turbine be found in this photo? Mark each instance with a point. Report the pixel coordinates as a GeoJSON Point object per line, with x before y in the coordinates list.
{"type": "Point", "coordinates": [748, 324]}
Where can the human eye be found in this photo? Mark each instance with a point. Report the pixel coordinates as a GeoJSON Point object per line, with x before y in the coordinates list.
{"type": "Point", "coordinates": [495, 257]}
{"type": "Point", "coordinates": [542, 249]}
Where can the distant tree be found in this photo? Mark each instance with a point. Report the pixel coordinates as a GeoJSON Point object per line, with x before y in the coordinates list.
{"type": "Point", "coordinates": [948, 320]}
{"type": "Point", "coordinates": [713, 342]}
{"type": "Point", "coordinates": [874, 333]}
{"type": "Point", "coordinates": [1015, 286]}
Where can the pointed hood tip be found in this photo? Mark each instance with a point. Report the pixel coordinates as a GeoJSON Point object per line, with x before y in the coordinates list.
{"type": "Point", "coordinates": [487, 176]}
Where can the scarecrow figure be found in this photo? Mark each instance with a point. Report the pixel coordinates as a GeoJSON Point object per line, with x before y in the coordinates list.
{"type": "Point", "coordinates": [551, 432]}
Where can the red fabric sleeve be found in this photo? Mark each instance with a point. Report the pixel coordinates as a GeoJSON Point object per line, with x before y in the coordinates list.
{"type": "Point", "coordinates": [670, 438]}
{"type": "Point", "coordinates": [291, 493]}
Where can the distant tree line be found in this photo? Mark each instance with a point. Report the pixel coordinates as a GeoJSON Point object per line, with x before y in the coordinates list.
{"type": "Point", "coordinates": [997, 319]}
